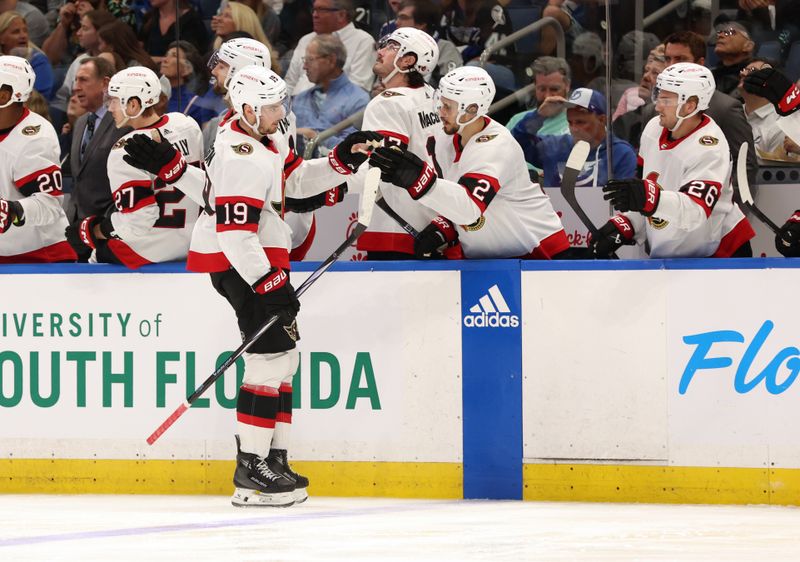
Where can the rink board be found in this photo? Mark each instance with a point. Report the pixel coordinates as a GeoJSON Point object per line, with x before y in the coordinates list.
{"type": "Point", "coordinates": [552, 381]}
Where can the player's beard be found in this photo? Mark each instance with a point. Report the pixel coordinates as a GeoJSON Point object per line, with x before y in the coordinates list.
{"type": "Point", "coordinates": [219, 89]}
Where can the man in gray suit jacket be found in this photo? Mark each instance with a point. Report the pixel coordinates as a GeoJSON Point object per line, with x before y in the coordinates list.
{"type": "Point", "coordinates": [92, 138]}
{"type": "Point", "coordinates": [725, 110]}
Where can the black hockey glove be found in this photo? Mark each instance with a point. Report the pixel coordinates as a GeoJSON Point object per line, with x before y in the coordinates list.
{"type": "Point", "coordinates": [11, 213]}
{"type": "Point", "coordinates": [308, 204]}
{"type": "Point", "coordinates": [343, 159]}
{"type": "Point", "coordinates": [633, 195]}
{"type": "Point", "coordinates": [279, 293]}
{"type": "Point", "coordinates": [159, 158]}
{"type": "Point", "coordinates": [776, 87]}
{"type": "Point", "coordinates": [440, 234]}
{"type": "Point", "coordinates": [80, 234]}
{"type": "Point", "coordinates": [787, 240]}
{"type": "Point", "coordinates": [614, 234]}
{"type": "Point", "coordinates": [403, 169]}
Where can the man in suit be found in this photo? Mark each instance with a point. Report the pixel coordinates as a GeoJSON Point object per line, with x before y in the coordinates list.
{"type": "Point", "coordinates": [726, 111]}
{"type": "Point", "coordinates": [92, 138]}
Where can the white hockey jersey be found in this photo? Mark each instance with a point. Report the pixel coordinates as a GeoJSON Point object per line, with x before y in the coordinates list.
{"type": "Point", "coordinates": [153, 221]}
{"type": "Point", "coordinates": [696, 215]}
{"type": "Point", "coordinates": [484, 187]}
{"type": "Point", "coordinates": [31, 174]}
{"type": "Point", "coordinates": [407, 117]}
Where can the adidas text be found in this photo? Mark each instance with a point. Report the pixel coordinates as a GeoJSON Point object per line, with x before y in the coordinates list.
{"type": "Point", "coordinates": [491, 320]}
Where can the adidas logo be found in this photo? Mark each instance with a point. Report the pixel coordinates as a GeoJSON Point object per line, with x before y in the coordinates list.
{"type": "Point", "coordinates": [492, 311]}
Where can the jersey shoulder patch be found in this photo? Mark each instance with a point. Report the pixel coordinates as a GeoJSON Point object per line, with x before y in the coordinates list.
{"type": "Point", "coordinates": [31, 130]}
{"type": "Point", "coordinates": [485, 138]}
{"type": "Point", "coordinates": [391, 93]}
{"type": "Point", "coordinates": [120, 143]}
{"type": "Point", "coordinates": [243, 148]}
{"type": "Point", "coordinates": [708, 140]}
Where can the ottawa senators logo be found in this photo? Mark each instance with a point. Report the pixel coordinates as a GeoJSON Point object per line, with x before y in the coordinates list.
{"type": "Point", "coordinates": [243, 148]}
{"type": "Point", "coordinates": [31, 130]}
{"type": "Point", "coordinates": [657, 223]}
{"type": "Point", "coordinates": [119, 144]}
{"type": "Point", "coordinates": [485, 138]}
{"type": "Point", "coordinates": [477, 225]}
{"type": "Point", "coordinates": [292, 331]}
{"type": "Point", "coordinates": [390, 93]}
{"type": "Point", "coordinates": [708, 140]}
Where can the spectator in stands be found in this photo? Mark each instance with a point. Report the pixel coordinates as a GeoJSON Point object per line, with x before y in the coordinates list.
{"type": "Point", "coordinates": [60, 44]}
{"type": "Point", "coordinates": [772, 20]}
{"type": "Point", "coordinates": [586, 61]}
{"type": "Point", "coordinates": [93, 135]}
{"type": "Point", "coordinates": [119, 39]}
{"type": "Point", "coordinates": [270, 22]}
{"type": "Point", "coordinates": [761, 114]}
{"type": "Point", "coordinates": [89, 41]}
{"type": "Point", "coordinates": [335, 16]}
{"type": "Point", "coordinates": [686, 46]}
{"type": "Point", "coordinates": [14, 41]}
{"type": "Point", "coordinates": [238, 18]}
{"type": "Point", "coordinates": [158, 29]}
{"type": "Point", "coordinates": [586, 114]}
{"type": "Point", "coordinates": [572, 17]}
{"type": "Point", "coordinates": [424, 14]}
{"type": "Point", "coordinates": [734, 49]}
{"type": "Point", "coordinates": [391, 25]}
{"type": "Point", "coordinates": [186, 75]}
{"type": "Point", "coordinates": [332, 99]}
{"type": "Point", "coordinates": [551, 75]}
{"type": "Point", "coordinates": [638, 96]}
{"type": "Point", "coordinates": [36, 24]}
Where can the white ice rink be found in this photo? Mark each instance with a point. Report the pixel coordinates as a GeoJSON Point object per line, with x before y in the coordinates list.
{"type": "Point", "coordinates": [198, 528]}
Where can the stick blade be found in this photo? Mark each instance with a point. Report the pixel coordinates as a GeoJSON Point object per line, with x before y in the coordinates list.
{"type": "Point", "coordinates": [741, 175]}
{"type": "Point", "coordinates": [368, 196]}
{"type": "Point", "coordinates": [578, 155]}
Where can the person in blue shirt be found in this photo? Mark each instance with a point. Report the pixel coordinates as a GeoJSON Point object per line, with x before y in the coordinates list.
{"type": "Point", "coordinates": [332, 99]}
{"type": "Point", "coordinates": [586, 116]}
{"type": "Point", "coordinates": [188, 82]}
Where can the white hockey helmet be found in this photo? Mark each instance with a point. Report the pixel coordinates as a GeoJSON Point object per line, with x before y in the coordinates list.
{"type": "Point", "coordinates": [257, 87]}
{"type": "Point", "coordinates": [135, 82]}
{"type": "Point", "coordinates": [16, 73]}
{"type": "Point", "coordinates": [238, 53]}
{"type": "Point", "coordinates": [417, 42]}
{"type": "Point", "coordinates": [467, 86]}
{"type": "Point", "coordinates": [686, 79]}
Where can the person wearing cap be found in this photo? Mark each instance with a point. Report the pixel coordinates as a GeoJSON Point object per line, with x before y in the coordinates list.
{"type": "Point", "coordinates": [735, 50]}
{"type": "Point", "coordinates": [586, 116]}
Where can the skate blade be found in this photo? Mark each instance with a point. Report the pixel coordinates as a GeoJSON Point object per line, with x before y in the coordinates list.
{"type": "Point", "coordinates": [300, 495]}
{"type": "Point", "coordinates": [243, 497]}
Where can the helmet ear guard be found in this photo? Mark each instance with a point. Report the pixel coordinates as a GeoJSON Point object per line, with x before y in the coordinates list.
{"type": "Point", "coordinates": [415, 42]}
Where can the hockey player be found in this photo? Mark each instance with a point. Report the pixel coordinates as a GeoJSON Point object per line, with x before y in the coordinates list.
{"type": "Point", "coordinates": [405, 115]}
{"type": "Point", "coordinates": [478, 180]}
{"type": "Point", "coordinates": [684, 205]}
{"type": "Point", "coordinates": [32, 221]}
{"type": "Point", "coordinates": [785, 96]}
{"type": "Point", "coordinates": [242, 241]}
{"type": "Point", "coordinates": [153, 221]}
{"type": "Point", "coordinates": [224, 63]}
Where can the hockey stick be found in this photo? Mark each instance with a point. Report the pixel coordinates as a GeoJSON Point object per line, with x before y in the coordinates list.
{"type": "Point", "coordinates": [384, 206]}
{"type": "Point", "coordinates": [364, 215]}
{"type": "Point", "coordinates": [575, 161]}
{"type": "Point", "coordinates": [744, 189]}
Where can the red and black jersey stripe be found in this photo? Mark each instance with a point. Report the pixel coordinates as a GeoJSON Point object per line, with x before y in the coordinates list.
{"type": "Point", "coordinates": [238, 213]}
{"type": "Point", "coordinates": [133, 195]}
{"type": "Point", "coordinates": [481, 188]}
{"type": "Point", "coordinates": [47, 180]}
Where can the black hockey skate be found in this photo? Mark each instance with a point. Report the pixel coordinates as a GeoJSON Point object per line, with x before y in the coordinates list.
{"type": "Point", "coordinates": [278, 461]}
{"type": "Point", "coordinates": [258, 485]}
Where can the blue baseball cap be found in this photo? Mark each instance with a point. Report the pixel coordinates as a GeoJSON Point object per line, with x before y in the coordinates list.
{"type": "Point", "coordinates": [588, 99]}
